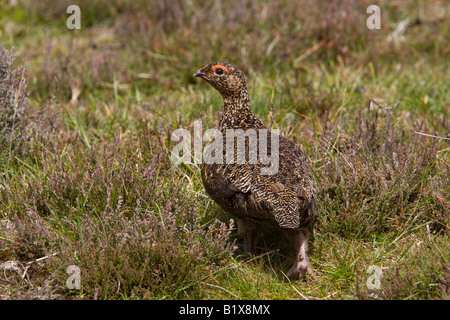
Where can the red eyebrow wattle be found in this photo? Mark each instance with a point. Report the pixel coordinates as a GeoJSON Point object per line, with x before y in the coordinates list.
{"type": "Point", "coordinates": [219, 66]}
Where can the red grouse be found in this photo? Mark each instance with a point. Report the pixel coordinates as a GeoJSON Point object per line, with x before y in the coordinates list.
{"type": "Point", "coordinates": [284, 197]}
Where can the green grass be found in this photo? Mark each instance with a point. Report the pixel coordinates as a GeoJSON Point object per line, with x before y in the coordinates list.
{"type": "Point", "coordinates": [86, 176]}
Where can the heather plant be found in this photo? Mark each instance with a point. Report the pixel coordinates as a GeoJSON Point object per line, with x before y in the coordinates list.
{"type": "Point", "coordinates": [376, 179]}
{"type": "Point", "coordinates": [108, 214]}
{"type": "Point", "coordinates": [147, 255]}
{"type": "Point", "coordinates": [13, 100]}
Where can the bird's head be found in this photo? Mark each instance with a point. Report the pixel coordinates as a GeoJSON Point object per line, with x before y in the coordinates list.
{"type": "Point", "coordinates": [224, 77]}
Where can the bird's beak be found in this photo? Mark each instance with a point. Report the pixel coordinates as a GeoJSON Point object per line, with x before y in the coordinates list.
{"type": "Point", "coordinates": [200, 74]}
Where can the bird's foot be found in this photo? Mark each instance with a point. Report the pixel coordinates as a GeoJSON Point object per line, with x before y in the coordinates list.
{"type": "Point", "coordinates": [300, 270]}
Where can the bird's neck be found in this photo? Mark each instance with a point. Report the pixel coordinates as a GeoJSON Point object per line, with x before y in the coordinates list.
{"type": "Point", "coordinates": [240, 101]}
{"type": "Point", "coordinates": [237, 112]}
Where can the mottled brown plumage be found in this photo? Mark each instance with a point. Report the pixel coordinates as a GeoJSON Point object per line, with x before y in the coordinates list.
{"type": "Point", "coordinates": [285, 198]}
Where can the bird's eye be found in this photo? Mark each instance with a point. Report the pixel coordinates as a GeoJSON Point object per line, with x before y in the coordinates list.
{"type": "Point", "coordinates": [218, 71]}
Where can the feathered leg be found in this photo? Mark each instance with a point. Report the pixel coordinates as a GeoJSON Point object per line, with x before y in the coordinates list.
{"type": "Point", "coordinates": [301, 266]}
{"type": "Point", "coordinates": [250, 232]}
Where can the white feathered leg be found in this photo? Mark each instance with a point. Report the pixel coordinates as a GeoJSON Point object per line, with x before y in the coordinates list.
{"type": "Point", "coordinates": [301, 266]}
